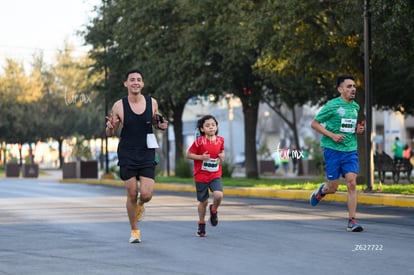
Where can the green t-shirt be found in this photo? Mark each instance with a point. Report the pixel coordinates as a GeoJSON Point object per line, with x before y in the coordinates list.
{"type": "Point", "coordinates": [339, 117]}
{"type": "Point", "coordinates": [398, 149]}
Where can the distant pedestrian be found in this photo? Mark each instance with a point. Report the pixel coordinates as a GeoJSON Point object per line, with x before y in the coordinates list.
{"type": "Point", "coordinates": [407, 155]}
{"type": "Point", "coordinates": [207, 151]}
{"type": "Point", "coordinates": [294, 156]}
{"type": "Point", "coordinates": [398, 149]}
{"type": "Point", "coordinates": [340, 145]}
{"type": "Point", "coordinates": [284, 159]}
{"type": "Point", "coordinates": [408, 152]}
{"type": "Point", "coordinates": [276, 159]}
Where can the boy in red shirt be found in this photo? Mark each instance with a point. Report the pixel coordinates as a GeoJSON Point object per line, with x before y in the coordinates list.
{"type": "Point", "coordinates": [207, 151]}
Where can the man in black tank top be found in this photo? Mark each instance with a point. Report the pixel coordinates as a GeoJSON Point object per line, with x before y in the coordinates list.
{"type": "Point", "coordinates": [137, 114]}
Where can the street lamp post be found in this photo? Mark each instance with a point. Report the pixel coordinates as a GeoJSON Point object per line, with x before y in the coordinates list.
{"type": "Point", "coordinates": [368, 103]}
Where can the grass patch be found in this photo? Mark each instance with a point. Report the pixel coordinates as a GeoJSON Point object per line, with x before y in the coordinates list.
{"type": "Point", "coordinates": [243, 182]}
{"type": "Point", "coordinates": [294, 184]}
{"type": "Point", "coordinates": [403, 189]}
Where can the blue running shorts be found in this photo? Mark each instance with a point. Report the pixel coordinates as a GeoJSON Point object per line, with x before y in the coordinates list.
{"type": "Point", "coordinates": [338, 163]}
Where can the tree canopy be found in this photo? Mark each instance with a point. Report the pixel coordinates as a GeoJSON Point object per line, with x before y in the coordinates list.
{"type": "Point", "coordinates": [280, 52]}
{"type": "Point", "coordinates": [284, 53]}
{"type": "Point", "coordinates": [49, 102]}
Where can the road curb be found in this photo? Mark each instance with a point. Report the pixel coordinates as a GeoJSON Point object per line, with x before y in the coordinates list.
{"type": "Point", "coordinates": [363, 197]}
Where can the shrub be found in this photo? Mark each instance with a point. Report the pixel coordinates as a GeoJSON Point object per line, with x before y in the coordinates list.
{"type": "Point", "coordinates": [114, 169]}
{"type": "Point", "coordinates": [183, 169]}
{"type": "Point", "coordinates": [227, 170]}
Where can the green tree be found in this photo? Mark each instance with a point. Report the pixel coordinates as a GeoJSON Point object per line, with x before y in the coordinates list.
{"type": "Point", "coordinates": [20, 94]}
{"type": "Point", "coordinates": [71, 103]}
{"type": "Point", "coordinates": [50, 102]}
{"type": "Point", "coordinates": [392, 55]}
{"type": "Point", "coordinates": [307, 47]}
{"type": "Point", "coordinates": [161, 46]}
{"type": "Point", "coordinates": [235, 45]}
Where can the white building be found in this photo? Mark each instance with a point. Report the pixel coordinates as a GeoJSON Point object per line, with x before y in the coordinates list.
{"type": "Point", "coordinates": [388, 125]}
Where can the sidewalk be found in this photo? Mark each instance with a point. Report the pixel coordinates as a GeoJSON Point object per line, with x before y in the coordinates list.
{"type": "Point", "coordinates": [53, 174]}
{"type": "Point", "coordinates": [364, 198]}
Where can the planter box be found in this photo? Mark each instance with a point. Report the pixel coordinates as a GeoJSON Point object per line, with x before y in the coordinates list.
{"type": "Point", "coordinates": [89, 169]}
{"type": "Point", "coordinates": [80, 169]}
{"type": "Point", "coordinates": [266, 167]}
{"type": "Point", "coordinates": [12, 170]}
{"type": "Point", "coordinates": [70, 170]}
{"type": "Point", "coordinates": [30, 170]}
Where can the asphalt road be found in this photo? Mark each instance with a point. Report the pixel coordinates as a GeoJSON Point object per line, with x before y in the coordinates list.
{"type": "Point", "coordinates": [48, 227]}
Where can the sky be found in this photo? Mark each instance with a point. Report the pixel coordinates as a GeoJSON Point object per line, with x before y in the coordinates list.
{"type": "Point", "coordinates": [27, 26]}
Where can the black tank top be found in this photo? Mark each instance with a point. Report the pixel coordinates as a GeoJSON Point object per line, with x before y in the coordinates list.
{"type": "Point", "coordinates": [132, 147]}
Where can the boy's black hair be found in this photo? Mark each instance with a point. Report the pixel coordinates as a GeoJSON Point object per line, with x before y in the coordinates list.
{"type": "Point", "coordinates": [201, 121]}
{"type": "Point", "coordinates": [133, 71]}
{"type": "Point", "coordinates": [340, 79]}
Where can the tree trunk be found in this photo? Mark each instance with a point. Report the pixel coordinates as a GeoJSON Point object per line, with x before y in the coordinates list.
{"type": "Point", "coordinates": [250, 111]}
{"type": "Point", "coordinates": [178, 132]}
{"type": "Point", "coordinates": [20, 155]}
{"type": "Point", "coordinates": [60, 141]}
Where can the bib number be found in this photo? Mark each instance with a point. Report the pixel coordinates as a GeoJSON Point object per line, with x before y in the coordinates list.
{"type": "Point", "coordinates": [348, 125]}
{"type": "Point", "coordinates": [211, 165]}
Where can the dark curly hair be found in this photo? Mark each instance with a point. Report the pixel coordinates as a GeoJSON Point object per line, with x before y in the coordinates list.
{"type": "Point", "coordinates": [201, 121]}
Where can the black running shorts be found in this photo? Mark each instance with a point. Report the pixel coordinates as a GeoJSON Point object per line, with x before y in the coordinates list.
{"type": "Point", "coordinates": [127, 172]}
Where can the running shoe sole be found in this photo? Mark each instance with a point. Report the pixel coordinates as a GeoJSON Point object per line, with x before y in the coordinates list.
{"type": "Point", "coordinates": [201, 232]}
{"type": "Point", "coordinates": [356, 228]}
{"type": "Point", "coordinates": [313, 200]}
{"type": "Point", "coordinates": [134, 240]}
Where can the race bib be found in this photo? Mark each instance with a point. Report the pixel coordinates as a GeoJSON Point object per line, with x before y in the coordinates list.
{"type": "Point", "coordinates": [348, 125]}
{"type": "Point", "coordinates": [211, 165]}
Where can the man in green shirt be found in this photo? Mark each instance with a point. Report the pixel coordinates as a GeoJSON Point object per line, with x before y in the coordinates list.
{"type": "Point", "coordinates": [398, 148]}
{"type": "Point", "coordinates": [337, 122]}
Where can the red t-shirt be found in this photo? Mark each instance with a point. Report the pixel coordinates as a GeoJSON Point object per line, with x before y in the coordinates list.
{"type": "Point", "coordinates": [206, 171]}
